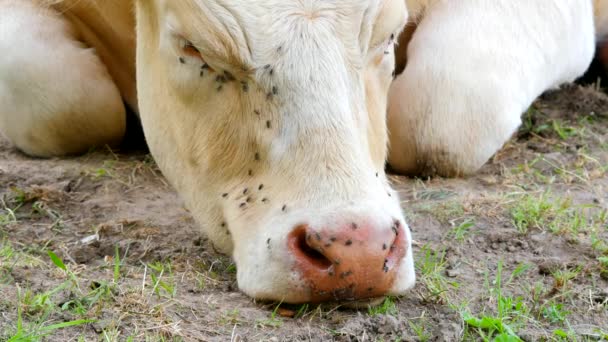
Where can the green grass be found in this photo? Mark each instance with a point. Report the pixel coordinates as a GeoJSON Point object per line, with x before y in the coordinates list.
{"type": "Point", "coordinates": [420, 330]}
{"type": "Point", "coordinates": [36, 331]}
{"type": "Point", "coordinates": [603, 265]}
{"type": "Point", "coordinates": [531, 212]}
{"type": "Point", "coordinates": [41, 208]}
{"type": "Point", "coordinates": [555, 313]}
{"type": "Point", "coordinates": [105, 171]}
{"type": "Point", "coordinates": [563, 278]}
{"type": "Point", "coordinates": [302, 310]}
{"type": "Point", "coordinates": [163, 282]}
{"type": "Point", "coordinates": [558, 216]}
{"type": "Point", "coordinates": [565, 131]}
{"type": "Point", "coordinates": [388, 307]}
{"type": "Point", "coordinates": [231, 317]}
{"type": "Point", "coordinates": [10, 257]}
{"type": "Point", "coordinates": [461, 231]}
{"type": "Point", "coordinates": [7, 215]}
{"type": "Point", "coordinates": [273, 321]}
{"type": "Point", "coordinates": [535, 122]}
{"type": "Point", "coordinates": [13, 207]}
{"type": "Point", "coordinates": [39, 307]}
{"type": "Point", "coordinates": [431, 267]}
{"type": "Point", "coordinates": [502, 322]}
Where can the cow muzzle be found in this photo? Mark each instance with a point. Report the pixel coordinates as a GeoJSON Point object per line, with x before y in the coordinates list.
{"type": "Point", "coordinates": [351, 262]}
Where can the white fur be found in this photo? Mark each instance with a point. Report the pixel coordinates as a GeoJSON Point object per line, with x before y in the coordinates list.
{"type": "Point", "coordinates": [325, 144]}
{"type": "Point", "coordinates": [473, 68]}
{"type": "Point", "coordinates": [56, 96]}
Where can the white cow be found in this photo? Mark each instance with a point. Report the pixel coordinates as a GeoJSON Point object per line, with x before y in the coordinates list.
{"type": "Point", "coordinates": [473, 67]}
{"type": "Point", "coordinates": [269, 117]}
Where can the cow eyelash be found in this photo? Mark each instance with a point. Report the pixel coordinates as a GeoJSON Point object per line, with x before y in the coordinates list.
{"type": "Point", "coordinates": [189, 49]}
{"type": "Point", "coordinates": [189, 45]}
{"type": "Point", "coordinates": [386, 44]}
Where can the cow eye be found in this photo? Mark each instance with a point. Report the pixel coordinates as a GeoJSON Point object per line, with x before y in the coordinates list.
{"type": "Point", "coordinates": [391, 42]}
{"type": "Point", "coordinates": [190, 50]}
{"type": "Point", "coordinates": [387, 46]}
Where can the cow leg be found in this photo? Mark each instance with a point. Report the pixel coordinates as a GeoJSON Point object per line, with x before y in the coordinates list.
{"type": "Point", "coordinates": [56, 96]}
{"type": "Point", "coordinates": [473, 67]}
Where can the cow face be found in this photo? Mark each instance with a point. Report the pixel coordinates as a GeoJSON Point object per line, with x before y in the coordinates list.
{"type": "Point", "coordinates": [268, 117]}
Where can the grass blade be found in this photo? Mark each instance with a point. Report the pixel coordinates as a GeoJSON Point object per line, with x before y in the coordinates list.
{"type": "Point", "coordinates": [57, 261]}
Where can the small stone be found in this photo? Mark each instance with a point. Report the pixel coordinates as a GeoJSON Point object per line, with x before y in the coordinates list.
{"type": "Point", "coordinates": [89, 239]}
{"type": "Point", "coordinates": [452, 273]}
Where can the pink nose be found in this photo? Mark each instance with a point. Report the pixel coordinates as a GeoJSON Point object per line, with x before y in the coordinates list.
{"type": "Point", "coordinates": [349, 263]}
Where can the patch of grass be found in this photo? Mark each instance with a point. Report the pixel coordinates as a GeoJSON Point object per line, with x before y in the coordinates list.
{"type": "Point", "coordinates": [40, 307]}
{"type": "Point", "coordinates": [434, 194]}
{"type": "Point", "coordinates": [231, 268]}
{"type": "Point", "coordinates": [11, 258]}
{"type": "Point", "coordinates": [7, 214]}
{"type": "Point", "coordinates": [558, 216]}
{"type": "Point", "coordinates": [110, 335]}
{"type": "Point", "coordinates": [555, 312]}
{"type": "Point", "coordinates": [431, 266]}
{"type": "Point", "coordinates": [117, 265]}
{"type": "Point", "coordinates": [563, 130]}
{"type": "Point", "coordinates": [444, 211]}
{"type": "Point", "coordinates": [388, 307]}
{"type": "Point", "coordinates": [461, 231]}
{"type": "Point", "coordinates": [125, 172]}
{"type": "Point", "coordinates": [504, 320]}
{"type": "Point", "coordinates": [271, 322]}
{"type": "Point", "coordinates": [39, 329]}
{"type": "Point", "coordinates": [302, 310]}
{"type": "Point", "coordinates": [603, 261]}
{"type": "Point", "coordinates": [597, 233]}
{"type": "Point", "coordinates": [563, 278]}
{"type": "Point", "coordinates": [531, 122]}
{"type": "Point", "coordinates": [531, 212]}
{"type": "Point", "coordinates": [420, 329]}
{"type": "Point", "coordinates": [535, 122]}
{"type": "Point", "coordinates": [14, 206]}
{"type": "Point", "coordinates": [105, 171]}
{"type": "Point", "coordinates": [41, 208]}
{"type": "Point", "coordinates": [231, 317]}
{"type": "Point", "coordinates": [163, 283]}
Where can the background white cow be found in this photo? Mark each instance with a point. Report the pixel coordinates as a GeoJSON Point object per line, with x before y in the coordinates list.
{"type": "Point", "coordinates": [473, 67]}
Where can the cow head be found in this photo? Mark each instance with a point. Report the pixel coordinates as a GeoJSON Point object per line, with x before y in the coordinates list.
{"type": "Point", "coordinates": [268, 117]}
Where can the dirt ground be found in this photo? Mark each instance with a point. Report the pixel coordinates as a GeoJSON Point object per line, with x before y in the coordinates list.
{"type": "Point", "coordinates": [517, 252]}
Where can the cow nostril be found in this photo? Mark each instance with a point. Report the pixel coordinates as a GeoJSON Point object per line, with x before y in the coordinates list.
{"type": "Point", "coordinates": [396, 249]}
{"type": "Point", "coordinates": [305, 252]}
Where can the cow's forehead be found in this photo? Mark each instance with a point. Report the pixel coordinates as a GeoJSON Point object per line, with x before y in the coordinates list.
{"type": "Point", "coordinates": [271, 17]}
{"type": "Point", "coordinates": [307, 8]}
{"type": "Point", "coordinates": [252, 29]}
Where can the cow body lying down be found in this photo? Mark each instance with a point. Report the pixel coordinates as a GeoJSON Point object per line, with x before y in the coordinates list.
{"type": "Point", "coordinates": [269, 117]}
